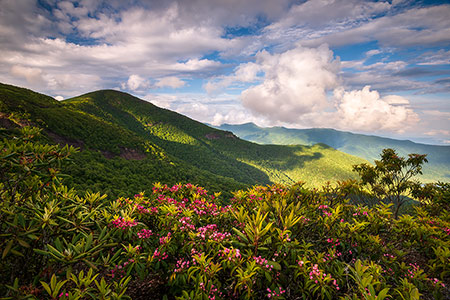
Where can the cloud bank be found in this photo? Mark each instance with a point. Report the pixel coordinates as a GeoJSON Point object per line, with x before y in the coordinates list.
{"type": "Point", "coordinates": [302, 87]}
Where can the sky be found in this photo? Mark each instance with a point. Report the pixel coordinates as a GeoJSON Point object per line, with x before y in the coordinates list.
{"type": "Point", "coordinates": [372, 67]}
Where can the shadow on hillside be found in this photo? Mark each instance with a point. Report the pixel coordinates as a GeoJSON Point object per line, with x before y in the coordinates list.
{"type": "Point", "coordinates": [280, 157]}
{"type": "Point", "coordinates": [207, 157]}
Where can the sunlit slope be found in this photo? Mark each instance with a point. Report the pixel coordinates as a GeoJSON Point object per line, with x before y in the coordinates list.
{"type": "Point", "coordinates": [365, 146]}
{"type": "Point", "coordinates": [113, 159]}
{"type": "Point", "coordinates": [217, 150]}
{"type": "Point", "coordinates": [128, 143]}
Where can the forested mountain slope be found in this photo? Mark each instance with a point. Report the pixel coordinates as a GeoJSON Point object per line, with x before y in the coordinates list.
{"type": "Point", "coordinates": [127, 144]}
{"type": "Point", "coordinates": [364, 146]}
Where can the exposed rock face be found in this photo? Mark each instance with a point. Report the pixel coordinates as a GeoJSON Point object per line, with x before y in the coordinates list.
{"type": "Point", "coordinates": [230, 135]}
{"type": "Point", "coordinates": [216, 136]}
{"type": "Point", "coordinates": [6, 123]}
{"type": "Point", "coordinates": [62, 140]}
{"type": "Point", "coordinates": [131, 154]}
{"type": "Point", "coordinates": [128, 154]}
{"type": "Point", "coordinates": [212, 136]}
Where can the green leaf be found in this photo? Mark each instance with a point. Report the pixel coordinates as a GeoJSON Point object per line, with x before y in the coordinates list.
{"type": "Point", "coordinates": [23, 243]}
{"type": "Point", "coordinates": [7, 248]}
{"type": "Point", "coordinates": [268, 276]}
{"type": "Point", "coordinates": [275, 265]}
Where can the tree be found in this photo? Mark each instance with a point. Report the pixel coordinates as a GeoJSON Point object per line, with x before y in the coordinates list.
{"type": "Point", "coordinates": [391, 178]}
{"type": "Point", "coordinates": [434, 198]}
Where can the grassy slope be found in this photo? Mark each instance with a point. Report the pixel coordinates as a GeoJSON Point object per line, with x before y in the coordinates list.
{"type": "Point", "coordinates": [171, 147]}
{"type": "Point", "coordinates": [365, 146]}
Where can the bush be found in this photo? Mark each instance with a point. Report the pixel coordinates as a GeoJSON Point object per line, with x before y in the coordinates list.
{"type": "Point", "coordinates": [280, 242]}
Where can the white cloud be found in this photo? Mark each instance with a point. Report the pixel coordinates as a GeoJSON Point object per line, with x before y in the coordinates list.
{"type": "Point", "coordinates": [412, 27]}
{"type": "Point", "coordinates": [136, 82]}
{"type": "Point", "coordinates": [373, 52]}
{"type": "Point", "coordinates": [438, 132]}
{"type": "Point", "coordinates": [59, 98]}
{"type": "Point", "coordinates": [172, 82]}
{"type": "Point", "coordinates": [161, 100]}
{"type": "Point", "coordinates": [317, 14]}
{"type": "Point", "coordinates": [440, 57]}
{"type": "Point", "coordinates": [395, 100]}
{"type": "Point", "coordinates": [296, 88]}
{"type": "Point", "coordinates": [31, 75]}
{"type": "Point", "coordinates": [438, 113]}
{"type": "Point", "coordinates": [55, 81]}
{"type": "Point", "coordinates": [366, 110]}
{"type": "Point", "coordinates": [295, 83]}
{"type": "Point", "coordinates": [244, 73]}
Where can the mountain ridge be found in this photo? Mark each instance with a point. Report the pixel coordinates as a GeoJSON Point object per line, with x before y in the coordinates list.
{"type": "Point", "coordinates": [361, 145]}
{"type": "Point", "coordinates": [112, 126]}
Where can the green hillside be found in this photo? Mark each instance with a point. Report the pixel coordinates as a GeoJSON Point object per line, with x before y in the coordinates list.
{"type": "Point", "coordinates": [365, 146]}
{"type": "Point", "coordinates": [127, 144]}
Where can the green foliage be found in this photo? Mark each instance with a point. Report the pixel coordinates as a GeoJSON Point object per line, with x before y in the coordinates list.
{"type": "Point", "coordinates": [127, 144]}
{"type": "Point", "coordinates": [391, 177]}
{"type": "Point", "coordinates": [278, 241]}
{"type": "Point", "coordinates": [434, 198]}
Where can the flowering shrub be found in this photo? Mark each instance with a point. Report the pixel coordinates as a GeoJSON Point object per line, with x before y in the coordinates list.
{"type": "Point", "coordinates": [274, 242]}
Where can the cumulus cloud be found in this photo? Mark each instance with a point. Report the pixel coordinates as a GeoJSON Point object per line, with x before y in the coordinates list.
{"type": "Point", "coordinates": [136, 82]}
{"type": "Point", "coordinates": [366, 110]}
{"type": "Point", "coordinates": [172, 82]}
{"type": "Point", "coordinates": [295, 83]}
{"type": "Point", "coordinates": [296, 90]}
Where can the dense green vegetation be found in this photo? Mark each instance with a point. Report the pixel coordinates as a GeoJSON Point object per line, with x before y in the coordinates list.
{"type": "Point", "coordinates": [181, 242]}
{"type": "Point", "coordinates": [127, 144]}
{"type": "Point", "coordinates": [364, 146]}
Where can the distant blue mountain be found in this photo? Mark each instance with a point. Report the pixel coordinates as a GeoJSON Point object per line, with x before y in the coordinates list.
{"type": "Point", "coordinates": [368, 147]}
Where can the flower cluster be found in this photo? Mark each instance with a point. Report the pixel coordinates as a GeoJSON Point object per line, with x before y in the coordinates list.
{"type": "Point", "coordinates": [335, 242]}
{"type": "Point", "coordinates": [436, 282]}
{"type": "Point", "coordinates": [275, 293]}
{"type": "Point", "coordinates": [123, 223]}
{"type": "Point", "coordinates": [119, 270]}
{"type": "Point", "coordinates": [359, 211]}
{"type": "Point", "coordinates": [186, 224]}
{"type": "Point", "coordinates": [324, 208]}
{"type": "Point", "coordinates": [181, 265]}
{"type": "Point", "coordinates": [317, 275]}
{"type": "Point", "coordinates": [160, 256]}
{"type": "Point", "coordinates": [263, 262]}
{"type": "Point", "coordinates": [212, 291]}
{"type": "Point", "coordinates": [165, 239]}
{"type": "Point", "coordinates": [210, 232]}
{"type": "Point", "coordinates": [230, 254]}
{"type": "Point", "coordinates": [144, 233]}
{"type": "Point", "coordinates": [412, 272]}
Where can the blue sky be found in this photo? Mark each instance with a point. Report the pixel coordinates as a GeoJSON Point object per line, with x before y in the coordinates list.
{"type": "Point", "coordinates": [379, 67]}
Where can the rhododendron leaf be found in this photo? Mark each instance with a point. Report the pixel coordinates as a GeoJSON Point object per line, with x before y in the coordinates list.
{"type": "Point", "coordinates": [275, 265]}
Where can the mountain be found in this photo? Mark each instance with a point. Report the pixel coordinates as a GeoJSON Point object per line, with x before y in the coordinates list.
{"type": "Point", "coordinates": [127, 144]}
{"type": "Point", "coordinates": [365, 146]}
